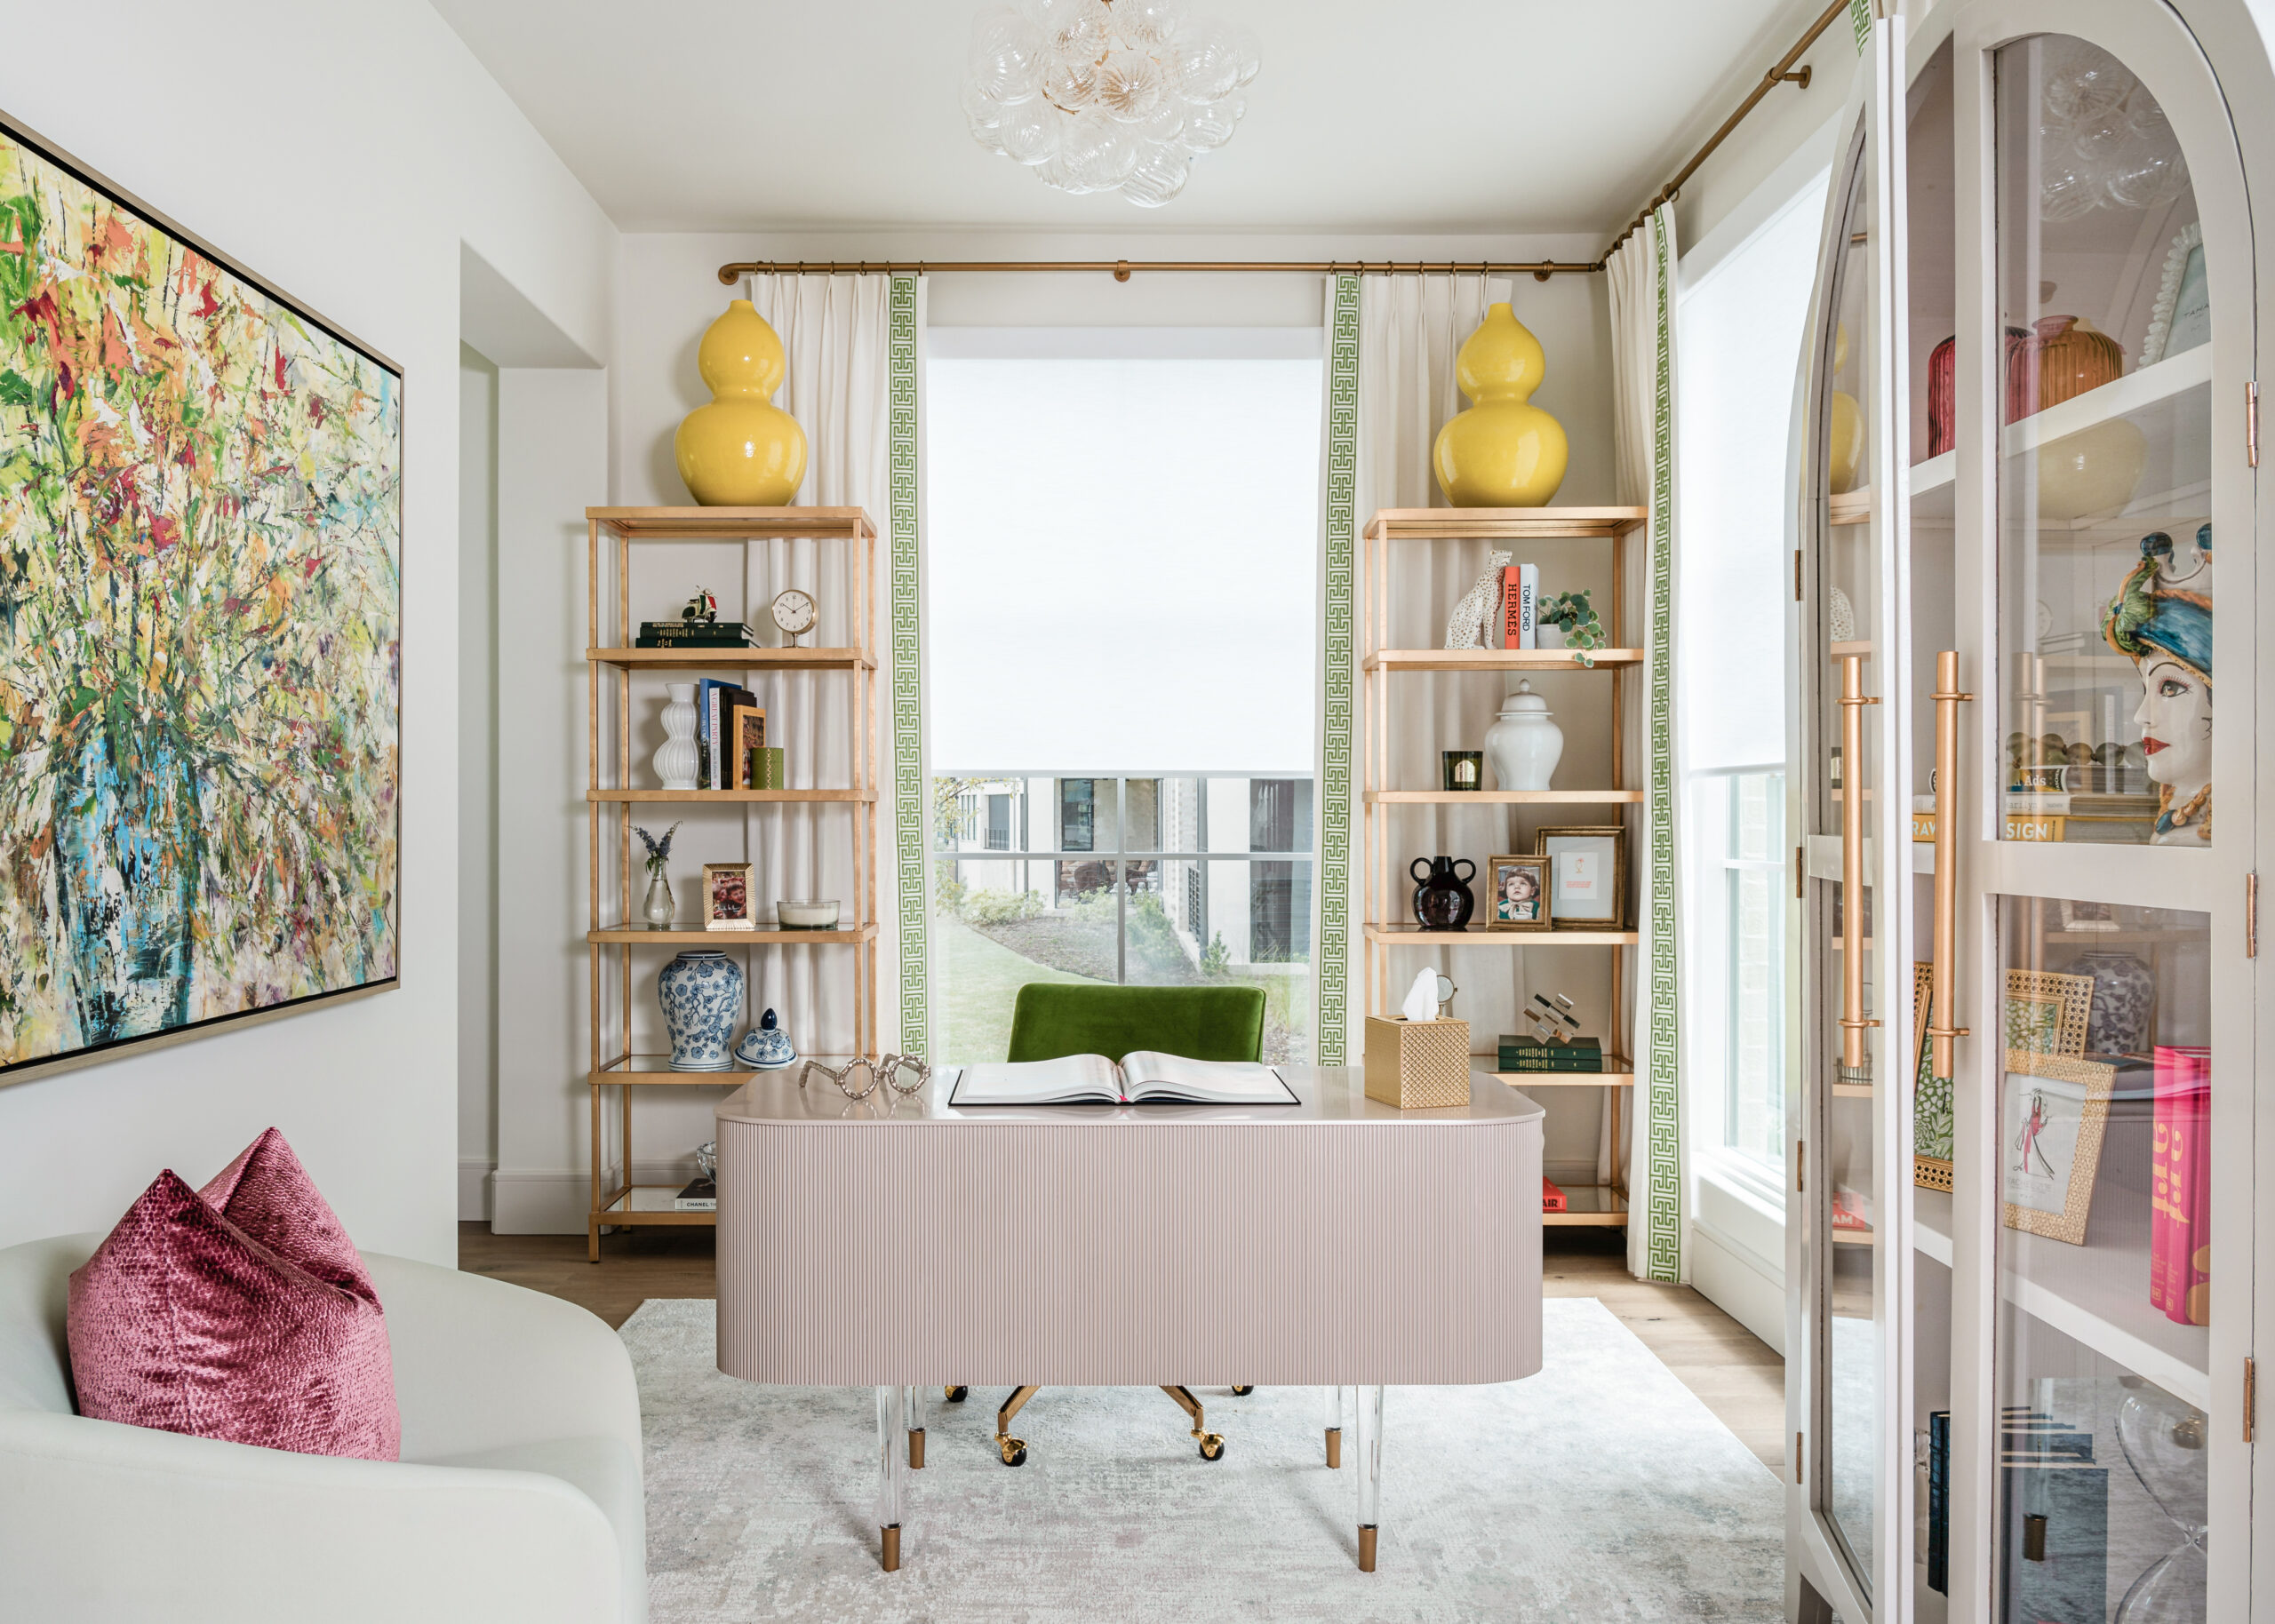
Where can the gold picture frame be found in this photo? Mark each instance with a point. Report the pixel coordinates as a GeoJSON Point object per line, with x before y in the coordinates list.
{"type": "Point", "coordinates": [1504, 912]}
{"type": "Point", "coordinates": [726, 896]}
{"type": "Point", "coordinates": [2046, 1012]}
{"type": "Point", "coordinates": [746, 734]}
{"type": "Point", "coordinates": [1568, 911]}
{"type": "Point", "coordinates": [2053, 1112]}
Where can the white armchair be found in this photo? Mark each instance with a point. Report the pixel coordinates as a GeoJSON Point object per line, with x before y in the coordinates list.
{"type": "Point", "coordinates": [518, 1495]}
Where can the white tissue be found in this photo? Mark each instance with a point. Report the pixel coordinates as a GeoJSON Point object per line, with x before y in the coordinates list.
{"type": "Point", "coordinates": [1422, 1002]}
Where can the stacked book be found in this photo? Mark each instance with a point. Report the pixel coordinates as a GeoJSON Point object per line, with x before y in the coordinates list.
{"type": "Point", "coordinates": [1565, 1055]}
{"type": "Point", "coordinates": [695, 635]}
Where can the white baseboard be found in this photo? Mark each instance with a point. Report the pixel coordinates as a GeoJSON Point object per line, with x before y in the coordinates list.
{"type": "Point", "coordinates": [474, 1189]}
{"type": "Point", "coordinates": [1735, 1282]}
{"type": "Point", "coordinates": [545, 1202]}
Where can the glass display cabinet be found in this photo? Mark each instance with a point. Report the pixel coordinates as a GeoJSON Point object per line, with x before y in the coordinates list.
{"type": "Point", "coordinates": [2023, 979]}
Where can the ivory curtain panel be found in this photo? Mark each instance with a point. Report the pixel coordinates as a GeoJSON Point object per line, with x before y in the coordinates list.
{"type": "Point", "coordinates": [1642, 277]}
{"type": "Point", "coordinates": [853, 343]}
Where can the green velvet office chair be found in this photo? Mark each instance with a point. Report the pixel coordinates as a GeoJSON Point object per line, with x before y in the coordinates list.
{"type": "Point", "coordinates": [1197, 1023]}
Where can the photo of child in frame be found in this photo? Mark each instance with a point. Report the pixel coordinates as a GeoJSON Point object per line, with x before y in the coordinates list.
{"type": "Point", "coordinates": [726, 896]}
{"type": "Point", "coordinates": [1519, 893]}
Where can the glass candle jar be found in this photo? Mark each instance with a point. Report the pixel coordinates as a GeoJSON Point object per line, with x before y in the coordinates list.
{"type": "Point", "coordinates": [1465, 769]}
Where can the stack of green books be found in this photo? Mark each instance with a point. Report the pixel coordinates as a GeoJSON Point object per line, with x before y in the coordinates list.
{"type": "Point", "coordinates": [695, 635]}
{"type": "Point", "coordinates": [1531, 1055]}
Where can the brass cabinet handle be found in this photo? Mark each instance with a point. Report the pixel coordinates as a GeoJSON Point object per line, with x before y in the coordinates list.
{"type": "Point", "coordinates": [1945, 972]}
{"type": "Point", "coordinates": [1854, 1068]}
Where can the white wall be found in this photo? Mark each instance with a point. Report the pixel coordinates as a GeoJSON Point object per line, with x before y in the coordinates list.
{"type": "Point", "coordinates": [477, 781]}
{"type": "Point", "coordinates": [552, 463]}
{"type": "Point", "coordinates": [344, 153]}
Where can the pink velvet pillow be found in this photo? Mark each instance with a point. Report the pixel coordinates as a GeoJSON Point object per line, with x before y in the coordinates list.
{"type": "Point", "coordinates": [240, 1312]}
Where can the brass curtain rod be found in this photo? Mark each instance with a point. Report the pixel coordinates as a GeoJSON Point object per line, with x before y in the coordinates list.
{"type": "Point", "coordinates": [1541, 270]}
{"type": "Point", "coordinates": [1123, 269]}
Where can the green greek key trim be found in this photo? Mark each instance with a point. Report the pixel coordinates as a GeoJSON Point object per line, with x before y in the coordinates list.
{"type": "Point", "coordinates": [908, 676]}
{"type": "Point", "coordinates": [1336, 757]}
{"type": "Point", "coordinates": [1664, 1219]}
{"type": "Point", "coordinates": [1860, 20]}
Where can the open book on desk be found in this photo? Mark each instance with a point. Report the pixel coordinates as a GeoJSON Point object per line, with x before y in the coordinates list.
{"type": "Point", "coordinates": [1142, 1079]}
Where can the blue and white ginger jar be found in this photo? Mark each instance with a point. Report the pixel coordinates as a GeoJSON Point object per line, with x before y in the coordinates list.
{"type": "Point", "coordinates": [701, 991]}
{"type": "Point", "coordinates": [766, 1046]}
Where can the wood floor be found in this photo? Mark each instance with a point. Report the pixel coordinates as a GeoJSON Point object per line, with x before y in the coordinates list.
{"type": "Point", "coordinates": [1734, 1374]}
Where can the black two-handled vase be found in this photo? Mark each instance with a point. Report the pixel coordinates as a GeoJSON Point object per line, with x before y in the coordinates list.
{"type": "Point", "coordinates": [1443, 899]}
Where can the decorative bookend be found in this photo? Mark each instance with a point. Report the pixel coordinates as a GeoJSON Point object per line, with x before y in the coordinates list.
{"type": "Point", "coordinates": [1418, 1065]}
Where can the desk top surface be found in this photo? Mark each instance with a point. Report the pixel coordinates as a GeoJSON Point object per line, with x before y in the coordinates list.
{"type": "Point", "coordinates": [1323, 1093]}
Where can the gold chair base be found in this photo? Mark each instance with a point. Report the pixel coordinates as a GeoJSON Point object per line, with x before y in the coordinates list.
{"type": "Point", "coordinates": [892, 1549]}
{"type": "Point", "coordinates": [1335, 1449]}
{"type": "Point", "coordinates": [917, 1449]}
{"type": "Point", "coordinates": [1366, 1548]}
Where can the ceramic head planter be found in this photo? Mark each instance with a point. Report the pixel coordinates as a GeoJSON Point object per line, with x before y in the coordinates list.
{"type": "Point", "coordinates": [2161, 619]}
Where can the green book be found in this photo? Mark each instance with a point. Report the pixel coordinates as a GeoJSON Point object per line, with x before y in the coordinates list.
{"type": "Point", "coordinates": [1531, 1055]}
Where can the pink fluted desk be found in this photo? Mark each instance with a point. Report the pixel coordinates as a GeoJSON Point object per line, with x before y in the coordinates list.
{"type": "Point", "coordinates": [1334, 1243]}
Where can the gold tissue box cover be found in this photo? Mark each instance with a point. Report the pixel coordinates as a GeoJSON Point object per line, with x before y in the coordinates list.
{"type": "Point", "coordinates": [1418, 1065]}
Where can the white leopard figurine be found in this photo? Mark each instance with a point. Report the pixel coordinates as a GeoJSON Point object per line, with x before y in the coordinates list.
{"type": "Point", "coordinates": [1466, 628]}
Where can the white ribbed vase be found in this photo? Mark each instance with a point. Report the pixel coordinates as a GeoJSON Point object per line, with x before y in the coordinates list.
{"type": "Point", "coordinates": [675, 762]}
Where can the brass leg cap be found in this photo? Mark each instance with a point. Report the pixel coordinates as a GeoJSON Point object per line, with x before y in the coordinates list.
{"type": "Point", "coordinates": [893, 1549]}
{"type": "Point", "coordinates": [1335, 1449]}
{"type": "Point", "coordinates": [917, 1449]}
{"type": "Point", "coordinates": [1366, 1547]}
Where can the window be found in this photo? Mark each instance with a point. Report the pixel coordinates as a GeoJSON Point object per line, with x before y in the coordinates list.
{"type": "Point", "coordinates": [1741, 330]}
{"type": "Point", "coordinates": [1122, 578]}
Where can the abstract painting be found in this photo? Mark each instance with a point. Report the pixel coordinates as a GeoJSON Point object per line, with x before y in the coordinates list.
{"type": "Point", "coordinates": [200, 633]}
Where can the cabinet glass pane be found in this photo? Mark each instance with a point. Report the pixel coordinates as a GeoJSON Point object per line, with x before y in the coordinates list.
{"type": "Point", "coordinates": [1930, 288]}
{"type": "Point", "coordinates": [2104, 471]}
{"type": "Point", "coordinates": [1846, 563]}
{"type": "Point", "coordinates": [2103, 1337]}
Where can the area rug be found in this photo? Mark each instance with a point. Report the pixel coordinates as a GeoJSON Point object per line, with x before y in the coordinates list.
{"type": "Point", "coordinates": [1599, 1489]}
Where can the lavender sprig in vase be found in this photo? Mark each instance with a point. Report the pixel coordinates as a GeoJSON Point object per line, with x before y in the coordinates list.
{"type": "Point", "coordinates": [659, 907]}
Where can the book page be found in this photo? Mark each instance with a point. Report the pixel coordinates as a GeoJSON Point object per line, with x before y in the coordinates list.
{"type": "Point", "coordinates": [1165, 1077]}
{"type": "Point", "coordinates": [1073, 1079]}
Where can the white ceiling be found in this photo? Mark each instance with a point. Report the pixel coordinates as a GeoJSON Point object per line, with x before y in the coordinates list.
{"type": "Point", "coordinates": [1427, 117]}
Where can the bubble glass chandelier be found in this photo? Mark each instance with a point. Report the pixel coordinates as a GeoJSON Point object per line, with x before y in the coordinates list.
{"type": "Point", "coordinates": [1106, 95]}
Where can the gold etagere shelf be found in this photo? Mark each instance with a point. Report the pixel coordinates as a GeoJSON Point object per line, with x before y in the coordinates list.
{"type": "Point", "coordinates": [611, 794]}
{"type": "Point", "coordinates": [1379, 664]}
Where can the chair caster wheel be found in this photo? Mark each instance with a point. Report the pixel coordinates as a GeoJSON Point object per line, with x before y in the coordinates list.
{"type": "Point", "coordinates": [955, 1395]}
{"type": "Point", "coordinates": [1212, 1446]}
{"type": "Point", "coordinates": [1242, 1392]}
{"type": "Point", "coordinates": [1014, 1450]}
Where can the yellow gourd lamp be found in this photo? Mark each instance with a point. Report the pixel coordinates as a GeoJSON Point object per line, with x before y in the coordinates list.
{"type": "Point", "coordinates": [1845, 433]}
{"type": "Point", "coordinates": [1504, 452]}
{"type": "Point", "coordinates": [741, 450]}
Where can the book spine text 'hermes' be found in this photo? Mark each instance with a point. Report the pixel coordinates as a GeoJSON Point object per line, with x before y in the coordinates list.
{"type": "Point", "coordinates": [1520, 606]}
{"type": "Point", "coordinates": [2179, 1186]}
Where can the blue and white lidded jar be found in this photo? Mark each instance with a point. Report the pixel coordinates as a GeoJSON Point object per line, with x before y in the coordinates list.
{"type": "Point", "coordinates": [701, 991]}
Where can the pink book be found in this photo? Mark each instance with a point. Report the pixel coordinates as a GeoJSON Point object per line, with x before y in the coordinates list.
{"type": "Point", "coordinates": [2179, 1186]}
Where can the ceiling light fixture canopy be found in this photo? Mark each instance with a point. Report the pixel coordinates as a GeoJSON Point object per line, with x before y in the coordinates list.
{"type": "Point", "coordinates": [1106, 95]}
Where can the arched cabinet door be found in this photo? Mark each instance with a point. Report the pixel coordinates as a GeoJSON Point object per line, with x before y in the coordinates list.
{"type": "Point", "coordinates": [1849, 1254]}
{"type": "Point", "coordinates": [2086, 922]}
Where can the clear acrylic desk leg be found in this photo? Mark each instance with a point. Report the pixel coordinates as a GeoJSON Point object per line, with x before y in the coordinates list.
{"type": "Point", "coordinates": [892, 1404]}
{"type": "Point", "coordinates": [1370, 1473]}
{"type": "Point", "coordinates": [1334, 1427]}
{"type": "Point", "coordinates": [913, 1418]}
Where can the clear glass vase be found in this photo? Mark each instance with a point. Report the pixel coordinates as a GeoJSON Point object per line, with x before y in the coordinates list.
{"type": "Point", "coordinates": [658, 908]}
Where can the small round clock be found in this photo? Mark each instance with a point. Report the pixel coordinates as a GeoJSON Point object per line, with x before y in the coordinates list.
{"type": "Point", "coordinates": [793, 612]}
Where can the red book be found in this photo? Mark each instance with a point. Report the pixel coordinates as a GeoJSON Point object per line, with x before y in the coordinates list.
{"type": "Point", "coordinates": [1551, 1200]}
{"type": "Point", "coordinates": [2179, 1186]}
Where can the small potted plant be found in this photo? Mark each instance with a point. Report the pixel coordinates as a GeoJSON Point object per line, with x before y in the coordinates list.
{"type": "Point", "coordinates": [1576, 623]}
{"type": "Point", "coordinates": [658, 908]}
